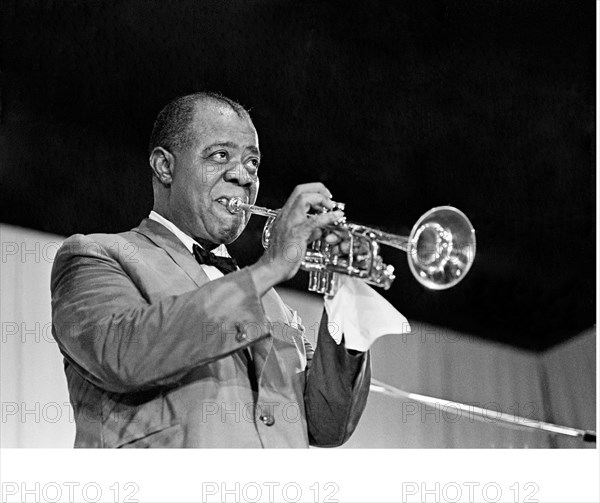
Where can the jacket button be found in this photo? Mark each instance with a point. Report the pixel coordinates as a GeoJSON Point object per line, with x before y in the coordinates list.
{"type": "Point", "coordinates": [267, 420]}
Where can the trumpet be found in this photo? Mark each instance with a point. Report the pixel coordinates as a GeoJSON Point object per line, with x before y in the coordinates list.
{"type": "Point", "coordinates": [440, 250]}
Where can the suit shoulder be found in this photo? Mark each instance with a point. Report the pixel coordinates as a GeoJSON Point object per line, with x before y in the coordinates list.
{"type": "Point", "coordinates": [108, 249]}
{"type": "Point", "coordinates": [92, 244]}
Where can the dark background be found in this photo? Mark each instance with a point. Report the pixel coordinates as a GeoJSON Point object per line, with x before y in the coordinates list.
{"type": "Point", "coordinates": [397, 106]}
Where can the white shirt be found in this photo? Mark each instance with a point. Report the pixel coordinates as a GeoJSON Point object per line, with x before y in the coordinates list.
{"type": "Point", "coordinates": [220, 251]}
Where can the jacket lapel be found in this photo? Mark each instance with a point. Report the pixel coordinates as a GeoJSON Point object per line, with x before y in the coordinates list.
{"type": "Point", "coordinates": [165, 239]}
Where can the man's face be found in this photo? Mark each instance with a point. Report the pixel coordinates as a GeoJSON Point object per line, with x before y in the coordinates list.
{"type": "Point", "coordinates": [221, 163]}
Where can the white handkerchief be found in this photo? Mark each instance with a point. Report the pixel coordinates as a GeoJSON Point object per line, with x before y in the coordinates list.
{"type": "Point", "coordinates": [361, 315]}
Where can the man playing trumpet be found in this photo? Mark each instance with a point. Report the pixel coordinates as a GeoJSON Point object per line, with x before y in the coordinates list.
{"type": "Point", "coordinates": [167, 343]}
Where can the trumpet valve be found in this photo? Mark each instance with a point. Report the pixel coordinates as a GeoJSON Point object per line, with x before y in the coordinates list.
{"type": "Point", "coordinates": [323, 282]}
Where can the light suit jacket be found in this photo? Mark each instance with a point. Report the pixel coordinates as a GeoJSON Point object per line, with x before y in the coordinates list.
{"type": "Point", "coordinates": [153, 352]}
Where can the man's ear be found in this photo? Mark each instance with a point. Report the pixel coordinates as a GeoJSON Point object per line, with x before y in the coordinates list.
{"type": "Point", "coordinates": [162, 163]}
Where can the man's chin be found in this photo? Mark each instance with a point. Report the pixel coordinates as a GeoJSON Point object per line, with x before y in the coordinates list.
{"type": "Point", "coordinates": [229, 234]}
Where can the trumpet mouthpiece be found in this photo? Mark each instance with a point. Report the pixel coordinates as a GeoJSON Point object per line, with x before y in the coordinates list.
{"type": "Point", "coordinates": [235, 205]}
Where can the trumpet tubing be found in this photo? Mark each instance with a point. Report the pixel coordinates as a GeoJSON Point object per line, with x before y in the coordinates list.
{"type": "Point", "coordinates": [440, 250]}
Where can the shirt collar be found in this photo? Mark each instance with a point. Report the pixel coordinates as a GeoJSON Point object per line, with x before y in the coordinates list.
{"type": "Point", "coordinates": [188, 242]}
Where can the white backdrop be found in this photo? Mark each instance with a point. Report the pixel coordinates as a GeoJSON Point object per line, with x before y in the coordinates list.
{"type": "Point", "coordinates": [558, 385]}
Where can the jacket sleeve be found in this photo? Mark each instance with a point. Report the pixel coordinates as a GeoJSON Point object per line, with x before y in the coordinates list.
{"type": "Point", "coordinates": [337, 388]}
{"type": "Point", "coordinates": [121, 342]}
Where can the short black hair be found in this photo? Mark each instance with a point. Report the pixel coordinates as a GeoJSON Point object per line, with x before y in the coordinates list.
{"type": "Point", "coordinates": [172, 125]}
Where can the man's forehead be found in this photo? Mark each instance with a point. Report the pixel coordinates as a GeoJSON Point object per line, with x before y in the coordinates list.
{"type": "Point", "coordinates": [217, 121]}
{"type": "Point", "coordinates": [209, 113]}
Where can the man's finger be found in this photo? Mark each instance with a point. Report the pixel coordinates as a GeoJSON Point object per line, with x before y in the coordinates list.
{"type": "Point", "coordinates": [324, 219]}
{"type": "Point", "coordinates": [307, 200]}
{"type": "Point", "coordinates": [335, 236]}
{"type": "Point", "coordinates": [332, 238]}
{"type": "Point", "coordinates": [311, 187]}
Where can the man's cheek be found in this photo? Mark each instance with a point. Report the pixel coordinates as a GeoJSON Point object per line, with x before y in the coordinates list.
{"type": "Point", "coordinates": [254, 191]}
{"type": "Point", "coordinates": [209, 171]}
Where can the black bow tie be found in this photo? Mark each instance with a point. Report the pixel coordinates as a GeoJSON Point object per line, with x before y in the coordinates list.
{"type": "Point", "coordinates": [224, 264]}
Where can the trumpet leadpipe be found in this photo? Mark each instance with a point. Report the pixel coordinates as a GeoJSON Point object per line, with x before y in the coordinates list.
{"type": "Point", "coordinates": [235, 205]}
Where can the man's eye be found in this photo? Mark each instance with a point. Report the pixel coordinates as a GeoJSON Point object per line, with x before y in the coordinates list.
{"type": "Point", "coordinates": [221, 155]}
{"type": "Point", "coordinates": [253, 163]}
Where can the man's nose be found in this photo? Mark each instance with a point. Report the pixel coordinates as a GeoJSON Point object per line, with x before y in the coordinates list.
{"type": "Point", "coordinates": [240, 175]}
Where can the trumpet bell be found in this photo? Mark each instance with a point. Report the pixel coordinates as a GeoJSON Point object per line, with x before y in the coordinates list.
{"type": "Point", "coordinates": [441, 248]}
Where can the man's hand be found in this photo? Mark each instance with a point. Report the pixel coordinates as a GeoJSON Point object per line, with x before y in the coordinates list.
{"type": "Point", "coordinates": [339, 240]}
{"type": "Point", "coordinates": [293, 229]}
